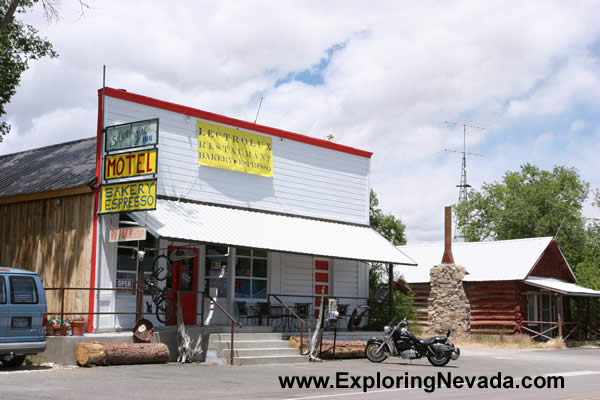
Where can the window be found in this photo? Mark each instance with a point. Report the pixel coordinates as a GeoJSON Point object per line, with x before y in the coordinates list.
{"type": "Point", "coordinates": [2, 291]}
{"type": "Point", "coordinates": [532, 309]}
{"type": "Point", "coordinates": [127, 260]}
{"type": "Point", "coordinates": [216, 270]}
{"type": "Point", "coordinates": [251, 274]}
{"type": "Point", "coordinates": [23, 290]}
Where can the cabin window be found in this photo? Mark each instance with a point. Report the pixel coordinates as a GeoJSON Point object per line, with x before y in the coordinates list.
{"type": "Point", "coordinates": [251, 272]}
{"type": "Point", "coordinates": [532, 308]}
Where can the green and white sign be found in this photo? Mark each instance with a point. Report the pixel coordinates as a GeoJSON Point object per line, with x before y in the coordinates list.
{"type": "Point", "coordinates": [134, 134]}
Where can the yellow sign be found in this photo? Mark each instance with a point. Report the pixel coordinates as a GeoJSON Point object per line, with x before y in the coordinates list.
{"type": "Point", "coordinates": [229, 148]}
{"type": "Point", "coordinates": [130, 164]}
{"type": "Point", "coordinates": [128, 196]}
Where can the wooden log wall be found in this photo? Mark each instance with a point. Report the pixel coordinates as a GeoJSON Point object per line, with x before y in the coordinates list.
{"type": "Point", "coordinates": [421, 291]}
{"type": "Point", "coordinates": [496, 306]}
{"type": "Point", "coordinates": [52, 237]}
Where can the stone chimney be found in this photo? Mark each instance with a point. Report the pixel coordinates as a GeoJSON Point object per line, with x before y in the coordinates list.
{"type": "Point", "coordinates": [448, 305]}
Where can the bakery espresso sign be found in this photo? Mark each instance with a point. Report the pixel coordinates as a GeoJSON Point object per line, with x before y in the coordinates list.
{"type": "Point", "coordinates": [223, 147]}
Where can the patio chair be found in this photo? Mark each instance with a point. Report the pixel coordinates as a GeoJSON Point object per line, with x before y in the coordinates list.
{"type": "Point", "coordinates": [242, 308]}
{"type": "Point", "coordinates": [259, 311]}
{"type": "Point", "coordinates": [343, 315]}
{"type": "Point", "coordinates": [276, 318]}
{"type": "Point", "coordinates": [303, 311]}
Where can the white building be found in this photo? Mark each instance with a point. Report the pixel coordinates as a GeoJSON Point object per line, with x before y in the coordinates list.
{"type": "Point", "coordinates": [261, 211]}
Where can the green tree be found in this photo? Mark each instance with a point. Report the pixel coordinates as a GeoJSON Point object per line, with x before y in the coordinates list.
{"type": "Point", "coordinates": [19, 44]}
{"type": "Point", "coordinates": [529, 203]}
{"type": "Point", "coordinates": [392, 229]}
{"type": "Point", "coordinates": [387, 225]}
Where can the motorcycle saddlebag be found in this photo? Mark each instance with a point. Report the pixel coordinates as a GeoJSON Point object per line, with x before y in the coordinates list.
{"type": "Point", "coordinates": [442, 348]}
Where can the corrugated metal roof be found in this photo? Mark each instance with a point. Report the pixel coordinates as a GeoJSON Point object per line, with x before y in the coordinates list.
{"type": "Point", "coordinates": [561, 286]}
{"type": "Point", "coordinates": [60, 166]}
{"type": "Point", "coordinates": [235, 227]}
{"type": "Point", "coordinates": [484, 261]}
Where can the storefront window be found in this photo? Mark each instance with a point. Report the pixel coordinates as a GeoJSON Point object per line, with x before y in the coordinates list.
{"type": "Point", "coordinates": [127, 259]}
{"type": "Point", "coordinates": [251, 274]}
{"type": "Point", "coordinates": [216, 270]}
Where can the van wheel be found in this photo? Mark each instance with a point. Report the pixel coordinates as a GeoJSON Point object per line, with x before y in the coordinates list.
{"type": "Point", "coordinates": [14, 362]}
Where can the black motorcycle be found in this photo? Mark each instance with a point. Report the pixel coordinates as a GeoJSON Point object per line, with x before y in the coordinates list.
{"type": "Point", "coordinates": [400, 342]}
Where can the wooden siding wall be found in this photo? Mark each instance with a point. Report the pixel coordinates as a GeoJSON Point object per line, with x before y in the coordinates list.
{"type": "Point", "coordinates": [307, 180]}
{"type": "Point", "coordinates": [495, 306]}
{"type": "Point", "coordinates": [52, 237]}
{"type": "Point", "coordinates": [552, 265]}
{"type": "Point", "coordinates": [420, 303]}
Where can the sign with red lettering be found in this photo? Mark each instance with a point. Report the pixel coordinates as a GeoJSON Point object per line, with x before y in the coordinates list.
{"type": "Point", "coordinates": [127, 234]}
{"type": "Point", "coordinates": [125, 165]}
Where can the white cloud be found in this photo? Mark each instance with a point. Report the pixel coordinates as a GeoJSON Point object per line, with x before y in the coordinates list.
{"type": "Point", "coordinates": [404, 70]}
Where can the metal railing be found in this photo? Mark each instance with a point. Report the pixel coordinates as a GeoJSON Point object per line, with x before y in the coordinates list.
{"type": "Point", "coordinates": [140, 313]}
{"type": "Point", "coordinates": [302, 321]}
{"type": "Point", "coordinates": [63, 313]}
{"type": "Point", "coordinates": [233, 323]}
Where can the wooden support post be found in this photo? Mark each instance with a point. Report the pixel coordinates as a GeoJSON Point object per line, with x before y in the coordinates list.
{"type": "Point", "coordinates": [589, 318]}
{"type": "Point", "coordinates": [391, 291]}
{"type": "Point", "coordinates": [560, 316]}
{"type": "Point", "coordinates": [139, 300]}
{"type": "Point", "coordinates": [579, 320]}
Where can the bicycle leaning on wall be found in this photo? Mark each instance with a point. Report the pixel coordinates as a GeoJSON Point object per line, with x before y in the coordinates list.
{"type": "Point", "coordinates": [162, 268]}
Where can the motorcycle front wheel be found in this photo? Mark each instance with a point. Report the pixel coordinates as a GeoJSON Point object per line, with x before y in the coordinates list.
{"type": "Point", "coordinates": [374, 353]}
{"type": "Point", "coordinates": [438, 361]}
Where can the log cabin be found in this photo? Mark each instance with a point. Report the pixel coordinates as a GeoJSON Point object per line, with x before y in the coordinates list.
{"type": "Point", "coordinates": [513, 286]}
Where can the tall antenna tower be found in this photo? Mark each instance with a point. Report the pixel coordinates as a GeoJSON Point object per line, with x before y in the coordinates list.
{"type": "Point", "coordinates": [463, 186]}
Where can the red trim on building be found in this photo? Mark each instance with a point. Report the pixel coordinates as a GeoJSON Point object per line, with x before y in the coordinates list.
{"type": "Point", "coordinates": [320, 264]}
{"type": "Point", "coordinates": [318, 289]}
{"type": "Point", "coordinates": [90, 325]}
{"type": "Point", "coordinates": [194, 112]}
{"type": "Point", "coordinates": [321, 277]}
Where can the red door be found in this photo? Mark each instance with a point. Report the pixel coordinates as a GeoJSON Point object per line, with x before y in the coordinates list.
{"type": "Point", "coordinates": [321, 283]}
{"type": "Point", "coordinates": [185, 278]}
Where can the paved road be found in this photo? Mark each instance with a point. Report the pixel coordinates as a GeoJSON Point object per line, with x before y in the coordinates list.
{"type": "Point", "coordinates": [580, 368]}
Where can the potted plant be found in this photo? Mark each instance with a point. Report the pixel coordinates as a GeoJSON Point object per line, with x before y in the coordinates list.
{"type": "Point", "coordinates": [56, 327]}
{"type": "Point", "coordinates": [77, 327]}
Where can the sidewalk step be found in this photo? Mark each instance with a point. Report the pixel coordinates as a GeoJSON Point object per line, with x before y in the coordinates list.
{"type": "Point", "coordinates": [251, 344]}
{"type": "Point", "coordinates": [269, 352]}
{"type": "Point", "coordinates": [245, 336]}
{"type": "Point", "coordinates": [269, 360]}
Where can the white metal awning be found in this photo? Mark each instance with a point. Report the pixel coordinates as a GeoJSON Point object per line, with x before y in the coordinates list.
{"type": "Point", "coordinates": [243, 228]}
{"type": "Point", "coordinates": [563, 287]}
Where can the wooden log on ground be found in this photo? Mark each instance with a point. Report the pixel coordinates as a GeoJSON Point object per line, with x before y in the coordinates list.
{"type": "Point", "coordinates": [89, 354]}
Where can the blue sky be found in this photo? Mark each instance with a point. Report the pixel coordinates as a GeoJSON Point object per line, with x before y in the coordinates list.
{"type": "Point", "coordinates": [383, 78]}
